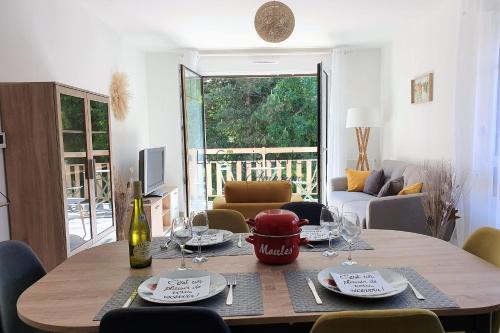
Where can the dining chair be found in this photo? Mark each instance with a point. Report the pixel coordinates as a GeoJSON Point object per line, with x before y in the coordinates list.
{"type": "Point", "coordinates": [163, 319]}
{"type": "Point", "coordinates": [20, 268]}
{"type": "Point", "coordinates": [379, 321]}
{"type": "Point", "coordinates": [227, 219]}
{"type": "Point", "coordinates": [305, 210]}
{"type": "Point", "coordinates": [485, 244]}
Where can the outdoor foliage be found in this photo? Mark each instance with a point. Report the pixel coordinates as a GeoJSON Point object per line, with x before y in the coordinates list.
{"type": "Point", "coordinates": [261, 112]}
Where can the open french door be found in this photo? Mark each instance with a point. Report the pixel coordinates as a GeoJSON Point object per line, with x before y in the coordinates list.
{"type": "Point", "coordinates": [322, 132]}
{"type": "Point", "coordinates": [193, 128]}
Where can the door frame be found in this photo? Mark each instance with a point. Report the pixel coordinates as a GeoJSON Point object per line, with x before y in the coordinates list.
{"type": "Point", "coordinates": [184, 133]}
{"type": "Point", "coordinates": [322, 149]}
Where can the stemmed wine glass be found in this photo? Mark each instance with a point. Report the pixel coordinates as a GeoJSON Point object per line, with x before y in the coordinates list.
{"type": "Point", "coordinates": [199, 221]}
{"type": "Point", "coordinates": [181, 234]}
{"type": "Point", "coordinates": [331, 222]}
{"type": "Point", "coordinates": [351, 229]}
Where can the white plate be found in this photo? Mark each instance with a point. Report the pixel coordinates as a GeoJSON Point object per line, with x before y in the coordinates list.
{"type": "Point", "coordinates": [226, 237]}
{"type": "Point", "coordinates": [307, 228]}
{"type": "Point", "coordinates": [396, 280]}
{"type": "Point", "coordinates": [217, 284]}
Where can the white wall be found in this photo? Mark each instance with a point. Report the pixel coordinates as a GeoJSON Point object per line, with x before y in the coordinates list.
{"type": "Point", "coordinates": [244, 63]}
{"type": "Point", "coordinates": [56, 40]}
{"type": "Point", "coordinates": [356, 77]}
{"type": "Point", "coordinates": [163, 85]}
{"type": "Point", "coordinates": [421, 131]}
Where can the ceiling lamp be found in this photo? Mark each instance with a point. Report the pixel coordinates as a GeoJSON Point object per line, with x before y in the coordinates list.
{"type": "Point", "coordinates": [274, 21]}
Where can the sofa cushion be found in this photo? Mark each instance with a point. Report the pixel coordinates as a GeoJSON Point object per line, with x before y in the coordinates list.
{"type": "Point", "coordinates": [412, 175]}
{"type": "Point", "coordinates": [411, 189]}
{"type": "Point", "coordinates": [392, 187]}
{"type": "Point", "coordinates": [358, 207]}
{"type": "Point", "coordinates": [257, 191]}
{"type": "Point", "coordinates": [374, 182]}
{"type": "Point", "coordinates": [393, 169]}
{"type": "Point", "coordinates": [339, 198]}
{"type": "Point", "coordinates": [356, 179]}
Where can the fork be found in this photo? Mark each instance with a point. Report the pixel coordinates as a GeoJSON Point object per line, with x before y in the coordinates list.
{"type": "Point", "coordinates": [415, 291]}
{"type": "Point", "coordinates": [229, 300]}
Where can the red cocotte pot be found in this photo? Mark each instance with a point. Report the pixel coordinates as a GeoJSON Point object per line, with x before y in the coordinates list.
{"type": "Point", "coordinates": [276, 236]}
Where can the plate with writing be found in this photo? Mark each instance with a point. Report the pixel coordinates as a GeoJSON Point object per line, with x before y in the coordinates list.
{"type": "Point", "coordinates": [363, 281]}
{"type": "Point", "coordinates": [211, 237]}
{"type": "Point", "coordinates": [178, 287]}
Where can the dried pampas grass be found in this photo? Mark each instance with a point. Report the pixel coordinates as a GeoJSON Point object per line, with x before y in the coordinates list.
{"type": "Point", "coordinates": [444, 186]}
{"type": "Point", "coordinates": [123, 197]}
{"type": "Point", "coordinates": [118, 90]}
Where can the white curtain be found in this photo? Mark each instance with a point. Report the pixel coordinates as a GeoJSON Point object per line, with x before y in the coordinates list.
{"type": "Point", "coordinates": [477, 118]}
{"type": "Point", "coordinates": [337, 154]}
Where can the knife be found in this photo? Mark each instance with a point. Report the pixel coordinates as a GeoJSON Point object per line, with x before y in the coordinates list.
{"type": "Point", "coordinates": [129, 301]}
{"type": "Point", "coordinates": [313, 290]}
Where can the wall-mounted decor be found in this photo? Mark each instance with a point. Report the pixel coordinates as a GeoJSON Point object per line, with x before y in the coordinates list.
{"type": "Point", "coordinates": [422, 88]}
{"type": "Point", "coordinates": [274, 21]}
{"type": "Point", "coordinates": [119, 95]}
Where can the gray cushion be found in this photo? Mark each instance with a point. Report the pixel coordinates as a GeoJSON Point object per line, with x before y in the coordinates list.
{"type": "Point", "coordinates": [412, 175]}
{"type": "Point", "coordinates": [338, 198]}
{"type": "Point", "coordinates": [393, 169]}
{"type": "Point", "coordinates": [392, 187]}
{"type": "Point", "coordinates": [374, 182]}
{"type": "Point", "coordinates": [358, 207]}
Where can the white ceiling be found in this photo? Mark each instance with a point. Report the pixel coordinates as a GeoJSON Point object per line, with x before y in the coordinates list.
{"type": "Point", "coordinates": [228, 24]}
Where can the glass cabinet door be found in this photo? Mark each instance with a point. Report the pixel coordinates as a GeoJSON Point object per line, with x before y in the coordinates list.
{"type": "Point", "coordinates": [99, 120]}
{"type": "Point", "coordinates": [75, 169]}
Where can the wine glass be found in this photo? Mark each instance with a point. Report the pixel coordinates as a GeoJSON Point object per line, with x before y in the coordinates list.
{"type": "Point", "coordinates": [351, 229]}
{"type": "Point", "coordinates": [199, 221]}
{"type": "Point", "coordinates": [331, 222]}
{"type": "Point", "coordinates": [181, 234]}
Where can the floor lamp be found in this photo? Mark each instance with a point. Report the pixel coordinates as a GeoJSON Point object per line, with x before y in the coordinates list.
{"type": "Point", "coordinates": [362, 119]}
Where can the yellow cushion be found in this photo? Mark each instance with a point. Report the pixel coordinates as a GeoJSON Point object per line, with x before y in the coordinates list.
{"type": "Point", "coordinates": [356, 179]}
{"type": "Point", "coordinates": [411, 189]}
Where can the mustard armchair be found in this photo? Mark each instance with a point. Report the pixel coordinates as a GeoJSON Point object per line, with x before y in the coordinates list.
{"type": "Point", "coordinates": [379, 321]}
{"type": "Point", "coordinates": [251, 197]}
{"type": "Point", "coordinates": [485, 243]}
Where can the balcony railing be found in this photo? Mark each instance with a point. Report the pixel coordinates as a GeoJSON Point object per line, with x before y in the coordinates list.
{"type": "Point", "coordinates": [295, 164]}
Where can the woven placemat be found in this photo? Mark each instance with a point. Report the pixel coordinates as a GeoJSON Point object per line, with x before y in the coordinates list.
{"type": "Point", "coordinates": [229, 248]}
{"type": "Point", "coordinates": [247, 297]}
{"type": "Point", "coordinates": [338, 244]}
{"type": "Point", "coordinates": [303, 300]}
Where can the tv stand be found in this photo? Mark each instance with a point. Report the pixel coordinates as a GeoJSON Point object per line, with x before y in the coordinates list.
{"type": "Point", "coordinates": [156, 193]}
{"type": "Point", "coordinates": [161, 209]}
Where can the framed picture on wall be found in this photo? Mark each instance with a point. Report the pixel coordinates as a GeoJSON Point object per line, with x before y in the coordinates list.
{"type": "Point", "coordinates": [422, 88]}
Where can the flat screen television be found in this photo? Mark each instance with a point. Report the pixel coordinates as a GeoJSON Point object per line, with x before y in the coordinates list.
{"type": "Point", "coordinates": [152, 169]}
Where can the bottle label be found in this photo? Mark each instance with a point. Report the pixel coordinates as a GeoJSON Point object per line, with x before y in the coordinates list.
{"type": "Point", "coordinates": [142, 251]}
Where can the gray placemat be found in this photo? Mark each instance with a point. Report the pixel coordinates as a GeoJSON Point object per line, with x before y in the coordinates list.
{"type": "Point", "coordinates": [338, 244]}
{"type": "Point", "coordinates": [226, 249]}
{"type": "Point", "coordinates": [247, 297]}
{"type": "Point", "coordinates": [303, 300]}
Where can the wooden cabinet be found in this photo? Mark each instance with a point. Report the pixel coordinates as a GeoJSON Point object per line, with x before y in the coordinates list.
{"type": "Point", "coordinates": [161, 210]}
{"type": "Point", "coordinates": [58, 167]}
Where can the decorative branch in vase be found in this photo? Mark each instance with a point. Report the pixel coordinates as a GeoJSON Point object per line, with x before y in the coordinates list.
{"type": "Point", "coordinates": [123, 196]}
{"type": "Point", "coordinates": [443, 190]}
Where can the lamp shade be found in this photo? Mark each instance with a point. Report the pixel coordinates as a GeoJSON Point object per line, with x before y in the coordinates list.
{"type": "Point", "coordinates": [362, 117]}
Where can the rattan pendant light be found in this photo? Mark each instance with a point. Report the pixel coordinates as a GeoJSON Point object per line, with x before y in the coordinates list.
{"type": "Point", "coordinates": [274, 21]}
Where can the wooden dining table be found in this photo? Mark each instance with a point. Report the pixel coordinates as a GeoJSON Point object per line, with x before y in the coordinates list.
{"type": "Point", "coordinates": [69, 296]}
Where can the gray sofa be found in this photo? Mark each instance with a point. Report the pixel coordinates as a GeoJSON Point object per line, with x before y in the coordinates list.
{"type": "Point", "coordinates": [398, 212]}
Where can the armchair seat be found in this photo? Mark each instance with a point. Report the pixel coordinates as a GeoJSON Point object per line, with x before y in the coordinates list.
{"type": "Point", "coordinates": [251, 197]}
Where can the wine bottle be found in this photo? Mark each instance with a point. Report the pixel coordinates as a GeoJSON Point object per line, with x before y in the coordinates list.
{"type": "Point", "coordinates": [139, 237]}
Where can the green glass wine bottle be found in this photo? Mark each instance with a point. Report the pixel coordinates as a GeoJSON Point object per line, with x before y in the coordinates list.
{"type": "Point", "coordinates": [139, 237]}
